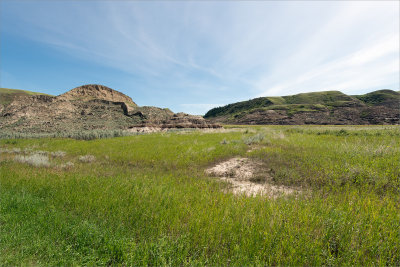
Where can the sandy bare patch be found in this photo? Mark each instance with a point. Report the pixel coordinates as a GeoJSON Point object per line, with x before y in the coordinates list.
{"type": "Point", "coordinates": [222, 130]}
{"type": "Point", "coordinates": [155, 129]}
{"type": "Point", "coordinates": [238, 168]}
{"type": "Point", "coordinates": [145, 130]}
{"type": "Point", "coordinates": [247, 177]}
{"type": "Point", "coordinates": [253, 189]}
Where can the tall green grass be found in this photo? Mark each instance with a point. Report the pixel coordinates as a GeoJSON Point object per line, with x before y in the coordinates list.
{"type": "Point", "coordinates": [145, 200]}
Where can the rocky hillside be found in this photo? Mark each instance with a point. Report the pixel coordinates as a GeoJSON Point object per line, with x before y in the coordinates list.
{"type": "Point", "coordinates": [88, 107]}
{"type": "Point", "coordinates": [95, 91]}
{"type": "Point", "coordinates": [330, 107]}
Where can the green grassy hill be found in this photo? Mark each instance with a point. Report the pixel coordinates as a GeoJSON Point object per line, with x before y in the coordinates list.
{"type": "Point", "coordinates": [7, 95]}
{"type": "Point", "coordinates": [328, 107]}
{"type": "Point", "coordinates": [239, 107]}
{"type": "Point", "coordinates": [327, 98]}
{"type": "Point", "coordinates": [379, 97]}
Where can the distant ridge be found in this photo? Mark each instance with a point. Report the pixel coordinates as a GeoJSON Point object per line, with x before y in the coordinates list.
{"type": "Point", "coordinates": [328, 107]}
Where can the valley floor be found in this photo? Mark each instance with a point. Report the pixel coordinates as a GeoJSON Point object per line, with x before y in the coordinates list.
{"type": "Point", "coordinates": [175, 198]}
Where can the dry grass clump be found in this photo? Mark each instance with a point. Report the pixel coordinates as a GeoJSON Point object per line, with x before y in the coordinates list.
{"type": "Point", "coordinates": [15, 150]}
{"type": "Point", "coordinates": [41, 152]}
{"type": "Point", "coordinates": [37, 160]}
{"type": "Point", "coordinates": [28, 150]}
{"type": "Point", "coordinates": [10, 151]}
{"type": "Point", "coordinates": [255, 139]}
{"type": "Point", "coordinates": [58, 154]}
{"type": "Point", "coordinates": [67, 165]}
{"type": "Point", "coordinates": [87, 158]}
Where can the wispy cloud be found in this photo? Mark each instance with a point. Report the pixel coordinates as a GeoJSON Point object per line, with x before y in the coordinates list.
{"type": "Point", "coordinates": [200, 52]}
{"type": "Point", "coordinates": [342, 56]}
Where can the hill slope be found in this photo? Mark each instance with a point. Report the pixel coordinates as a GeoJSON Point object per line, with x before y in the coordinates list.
{"type": "Point", "coordinates": [8, 95]}
{"type": "Point", "coordinates": [88, 107]}
{"type": "Point", "coordinates": [329, 107]}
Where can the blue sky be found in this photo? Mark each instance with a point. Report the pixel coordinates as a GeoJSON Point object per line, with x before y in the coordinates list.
{"type": "Point", "coordinates": [191, 56]}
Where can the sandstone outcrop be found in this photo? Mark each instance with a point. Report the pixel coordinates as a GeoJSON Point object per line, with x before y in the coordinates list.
{"type": "Point", "coordinates": [96, 91]}
{"type": "Point", "coordinates": [89, 107]}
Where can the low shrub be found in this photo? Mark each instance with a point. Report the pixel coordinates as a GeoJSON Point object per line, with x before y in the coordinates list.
{"type": "Point", "coordinates": [58, 154]}
{"type": "Point", "coordinates": [37, 160]}
{"type": "Point", "coordinates": [87, 158]}
{"type": "Point", "coordinates": [67, 165]}
{"type": "Point", "coordinates": [258, 138]}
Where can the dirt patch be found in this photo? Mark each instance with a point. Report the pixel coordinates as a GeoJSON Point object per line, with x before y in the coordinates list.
{"type": "Point", "coordinates": [223, 130]}
{"type": "Point", "coordinates": [238, 168]}
{"type": "Point", "coordinates": [146, 130]}
{"type": "Point", "coordinates": [248, 177]}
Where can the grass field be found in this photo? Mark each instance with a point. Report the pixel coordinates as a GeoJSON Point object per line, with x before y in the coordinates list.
{"type": "Point", "coordinates": [145, 200]}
